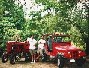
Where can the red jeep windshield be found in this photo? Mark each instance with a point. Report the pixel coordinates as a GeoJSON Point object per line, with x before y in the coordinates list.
{"type": "Point", "coordinates": [61, 39]}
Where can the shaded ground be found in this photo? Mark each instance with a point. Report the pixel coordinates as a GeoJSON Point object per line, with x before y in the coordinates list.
{"type": "Point", "coordinates": [39, 65]}
{"type": "Point", "coordinates": [27, 65]}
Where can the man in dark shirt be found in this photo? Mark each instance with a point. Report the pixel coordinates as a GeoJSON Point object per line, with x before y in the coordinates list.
{"type": "Point", "coordinates": [50, 43]}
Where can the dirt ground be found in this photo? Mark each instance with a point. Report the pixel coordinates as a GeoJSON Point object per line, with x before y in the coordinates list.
{"type": "Point", "coordinates": [38, 65]}
{"type": "Point", "coordinates": [23, 64]}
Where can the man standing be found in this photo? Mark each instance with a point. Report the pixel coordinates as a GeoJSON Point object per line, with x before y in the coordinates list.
{"type": "Point", "coordinates": [32, 43]}
{"type": "Point", "coordinates": [50, 43]}
{"type": "Point", "coordinates": [41, 43]}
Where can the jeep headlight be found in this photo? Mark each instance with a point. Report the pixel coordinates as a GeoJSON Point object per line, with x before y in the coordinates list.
{"type": "Point", "coordinates": [60, 53]}
{"type": "Point", "coordinates": [79, 51]}
{"type": "Point", "coordinates": [68, 52]}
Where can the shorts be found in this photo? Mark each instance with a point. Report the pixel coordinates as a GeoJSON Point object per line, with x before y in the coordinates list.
{"type": "Point", "coordinates": [40, 51]}
{"type": "Point", "coordinates": [32, 51]}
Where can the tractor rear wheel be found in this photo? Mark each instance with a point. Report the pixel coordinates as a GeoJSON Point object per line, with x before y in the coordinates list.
{"type": "Point", "coordinates": [12, 59]}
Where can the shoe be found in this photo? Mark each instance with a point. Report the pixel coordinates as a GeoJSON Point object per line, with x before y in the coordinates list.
{"type": "Point", "coordinates": [34, 61]}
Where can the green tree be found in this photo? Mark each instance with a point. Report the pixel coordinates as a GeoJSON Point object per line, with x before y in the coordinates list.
{"type": "Point", "coordinates": [11, 19]}
{"type": "Point", "coordinates": [66, 16]}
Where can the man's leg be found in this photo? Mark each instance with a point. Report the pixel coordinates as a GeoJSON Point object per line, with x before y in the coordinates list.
{"type": "Point", "coordinates": [34, 55]}
{"type": "Point", "coordinates": [32, 58]}
{"type": "Point", "coordinates": [31, 55]}
{"type": "Point", "coordinates": [39, 53]}
{"type": "Point", "coordinates": [37, 58]}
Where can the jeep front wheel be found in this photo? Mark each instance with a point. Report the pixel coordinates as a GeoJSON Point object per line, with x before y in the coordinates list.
{"type": "Point", "coordinates": [60, 62]}
{"type": "Point", "coordinates": [80, 61]}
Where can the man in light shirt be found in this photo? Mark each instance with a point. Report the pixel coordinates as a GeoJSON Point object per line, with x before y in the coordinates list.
{"type": "Point", "coordinates": [32, 43]}
{"type": "Point", "coordinates": [41, 43]}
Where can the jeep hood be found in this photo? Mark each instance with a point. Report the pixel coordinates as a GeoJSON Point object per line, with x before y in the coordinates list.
{"type": "Point", "coordinates": [67, 47]}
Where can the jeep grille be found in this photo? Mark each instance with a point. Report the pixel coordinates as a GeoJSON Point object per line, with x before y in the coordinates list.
{"type": "Point", "coordinates": [74, 54]}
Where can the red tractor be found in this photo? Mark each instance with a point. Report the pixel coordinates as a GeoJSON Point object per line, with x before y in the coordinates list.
{"type": "Point", "coordinates": [15, 51]}
{"type": "Point", "coordinates": [60, 49]}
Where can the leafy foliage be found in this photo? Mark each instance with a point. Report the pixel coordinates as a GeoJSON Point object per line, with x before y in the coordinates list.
{"type": "Point", "coordinates": [11, 21]}
{"type": "Point", "coordinates": [61, 16]}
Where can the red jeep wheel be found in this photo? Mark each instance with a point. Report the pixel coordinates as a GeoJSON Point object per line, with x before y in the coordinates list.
{"type": "Point", "coordinates": [60, 61]}
{"type": "Point", "coordinates": [80, 61]}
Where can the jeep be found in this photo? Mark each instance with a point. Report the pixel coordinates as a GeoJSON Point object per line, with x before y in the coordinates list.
{"type": "Point", "coordinates": [59, 48]}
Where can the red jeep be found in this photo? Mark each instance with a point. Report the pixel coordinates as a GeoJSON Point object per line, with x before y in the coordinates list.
{"type": "Point", "coordinates": [15, 51]}
{"type": "Point", "coordinates": [59, 48]}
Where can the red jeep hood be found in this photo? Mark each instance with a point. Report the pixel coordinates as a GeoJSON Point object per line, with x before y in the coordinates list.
{"type": "Point", "coordinates": [66, 47]}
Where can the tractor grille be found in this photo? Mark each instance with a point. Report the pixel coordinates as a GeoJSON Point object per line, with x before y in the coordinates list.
{"type": "Point", "coordinates": [74, 54]}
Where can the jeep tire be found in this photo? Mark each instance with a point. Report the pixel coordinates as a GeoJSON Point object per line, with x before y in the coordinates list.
{"type": "Point", "coordinates": [60, 62]}
{"type": "Point", "coordinates": [80, 61]}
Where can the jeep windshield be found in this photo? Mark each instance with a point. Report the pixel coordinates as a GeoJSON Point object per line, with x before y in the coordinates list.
{"type": "Point", "coordinates": [61, 39]}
